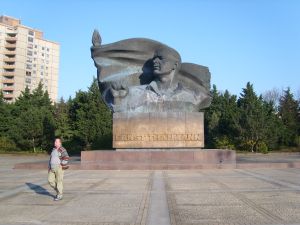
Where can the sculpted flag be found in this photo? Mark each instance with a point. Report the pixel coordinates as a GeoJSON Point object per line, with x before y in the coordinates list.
{"type": "Point", "coordinates": [125, 71]}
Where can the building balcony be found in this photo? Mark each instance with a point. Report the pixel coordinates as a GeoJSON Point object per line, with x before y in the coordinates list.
{"type": "Point", "coordinates": [8, 88]}
{"type": "Point", "coordinates": [9, 52]}
{"type": "Point", "coordinates": [8, 96]}
{"type": "Point", "coordinates": [12, 33]}
{"type": "Point", "coordinates": [11, 38]}
{"type": "Point", "coordinates": [7, 73]}
{"type": "Point", "coordinates": [8, 81]}
{"type": "Point", "coordinates": [7, 67]}
{"type": "Point", "coordinates": [10, 45]}
{"type": "Point", "coordinates": [7, 59]}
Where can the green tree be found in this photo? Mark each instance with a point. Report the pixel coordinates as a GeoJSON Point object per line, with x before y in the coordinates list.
{"type": "Point", "coordinates": [211, 119]}
{"type": "Point", "coordinates": [274, 125]}
{"type": "Point", "coordinates": [254, 120]}
{"type": "Point", "coordinates": [4, 116]}
{"type": "Point", "coordinates": [289, 115]}
{"type": "Point", "coordinates": [63, 123]}
{"type": "Point", "coordinates": [33, 120]}
{"type": "Point", "coordinates": [221, 120]}
{"type": "Point", "coordinates": [91, 120]}
{"type": "Point", "coordinates": [6, 144]}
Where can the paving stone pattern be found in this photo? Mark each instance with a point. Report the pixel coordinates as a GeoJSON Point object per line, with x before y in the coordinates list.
{"type": "Point", "coordinates": [187, 197]}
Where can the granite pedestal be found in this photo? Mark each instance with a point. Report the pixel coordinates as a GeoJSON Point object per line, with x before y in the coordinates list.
{"type": "Point", "coordinates": [163, 159]}
{"type": "Point", "coordinates": [158, 130]}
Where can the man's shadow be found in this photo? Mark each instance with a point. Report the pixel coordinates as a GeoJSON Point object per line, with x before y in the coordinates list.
{"type": "Point", "coordinates": [39, 189]}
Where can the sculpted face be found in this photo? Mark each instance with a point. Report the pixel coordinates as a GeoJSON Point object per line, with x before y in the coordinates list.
{"type": "Point", "coordinates": [163, 65]}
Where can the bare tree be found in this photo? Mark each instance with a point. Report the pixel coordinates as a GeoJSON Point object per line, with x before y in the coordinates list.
{"type": "Point", "coordinates": [298, 95]}
{"type": "Point", "coordinates": [272, 96]}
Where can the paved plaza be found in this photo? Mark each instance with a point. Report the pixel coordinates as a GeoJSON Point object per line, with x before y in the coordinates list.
{"type": "Point", "coordinates": [176, 197]}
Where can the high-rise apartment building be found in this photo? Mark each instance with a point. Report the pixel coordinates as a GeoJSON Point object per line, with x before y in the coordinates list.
{"type": "Point", "coordinates": [26, 59]}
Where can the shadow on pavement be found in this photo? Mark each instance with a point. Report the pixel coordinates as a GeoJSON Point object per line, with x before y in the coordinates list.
{"type": "Point", "coordinates": [39, 189]}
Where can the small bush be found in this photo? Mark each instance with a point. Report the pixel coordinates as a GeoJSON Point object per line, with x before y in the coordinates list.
{"type": "Point", "coordinates": [7, 145]}
{"type": "Point", "coordinates": [262, 148]}
{"type": "Point", "coordinates": [224, 143]}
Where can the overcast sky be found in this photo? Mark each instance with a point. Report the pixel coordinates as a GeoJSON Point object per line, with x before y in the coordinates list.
{"type": "Point", "coordinates": [240, 41]}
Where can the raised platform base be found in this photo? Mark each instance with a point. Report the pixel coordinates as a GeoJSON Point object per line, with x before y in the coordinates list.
{"type": "Point", "coordinates": [243, 161]}
{"type": "Point", "coordinates": [157, 160]}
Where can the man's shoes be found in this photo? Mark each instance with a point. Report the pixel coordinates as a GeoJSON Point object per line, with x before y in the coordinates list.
{"type": "Point", "coordinates": [58, 197]}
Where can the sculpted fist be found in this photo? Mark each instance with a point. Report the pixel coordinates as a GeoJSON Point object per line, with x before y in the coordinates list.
{"type": "Point", "coordinates": [119, 90]}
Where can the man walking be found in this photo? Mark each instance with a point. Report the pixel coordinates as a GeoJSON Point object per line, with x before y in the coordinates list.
{"type": "Point", "coordinates": [57, 163]}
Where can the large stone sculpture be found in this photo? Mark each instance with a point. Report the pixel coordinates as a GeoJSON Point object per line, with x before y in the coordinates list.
{"type": "Point", "coordinates": [142, 75]}
{"type": "Point", "coordinates": [154, 96]}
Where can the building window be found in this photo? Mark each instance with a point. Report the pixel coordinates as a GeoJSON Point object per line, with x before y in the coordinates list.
{"type": "Point", "coordinates": [34, 65]}
{"type": "Point", "coordinates": [30, 32]}
{"type": "Point", "coordinates": [28, 73]}
{"type": "Point", "coordinates": [42, 74]}
{"type": "Point", "coordinates": [29, 52]}
{"type": "Point", "coordinates": [30, 46]}
{"type": "Point", "coordinates": [43, 48]}
{"type": "Point", "coordinates": [29, 60]}
{"type": "Point", "coordinates": [34, 72]}
{"type": "Point", "coordinates": [35, 52]}
{"type": "Point", "coordinates": [28, 66]}
{"type": "Point", "coordinates": [35, 46]}
{"type": "Point", "coordinates": [42, 67]}
{"type": "Point", "coordinates": [43, 54]}
{"type": "Point", "coordinates": [28, 80]}
{"type": "Point", "coordinates": [47, 49]}
{"type": "Point", "coordinates": [30, 39]}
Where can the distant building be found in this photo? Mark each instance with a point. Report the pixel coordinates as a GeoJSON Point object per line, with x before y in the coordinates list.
{"type": "Point", "coordinates": [26, 59]}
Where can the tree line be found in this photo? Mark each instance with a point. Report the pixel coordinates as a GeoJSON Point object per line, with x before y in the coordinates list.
{"type": "Point", "coordinates": [32, 122]}
{"type": "Point", "coordinates": [251, 122]}
{"type": "Point", "coordinates": [248, 122]}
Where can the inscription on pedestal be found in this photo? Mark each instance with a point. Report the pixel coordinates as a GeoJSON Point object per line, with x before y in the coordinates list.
{"type": "Point", "coordinates": [158, 130]}
{"type": "Point", "coordinates": [158, 137]}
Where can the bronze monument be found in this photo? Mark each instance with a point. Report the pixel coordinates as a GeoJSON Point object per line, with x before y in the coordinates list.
{"type": "Point", "coordinates": [155, 98]}
{"type": "Point", "coordinates": [142, 75]}
{"type": "Point", "coordinates": [156, 102]}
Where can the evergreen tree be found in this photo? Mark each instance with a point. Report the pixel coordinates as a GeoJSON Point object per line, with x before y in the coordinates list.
{"type": "Point", "coordinates": [221, 120]}
{"type": "Point", "coordinates": [289, 114]}
{"type": "Point", "coordinates": [6, 144]}
{"type": "Point", "coordinates": [253, 121]}
{"type": "Point", "coordinates": [274, 125]}
{"type": "Point", "coordinates": [4, 116]}
{"type": "Point", "coordinates": [91, 120]}
{"type": "Point", "coordinates": [33, 122]}
{"type": "Point", "coordinates": [211, 119]}
{"type": "Point", "coordinates": [63, 123]}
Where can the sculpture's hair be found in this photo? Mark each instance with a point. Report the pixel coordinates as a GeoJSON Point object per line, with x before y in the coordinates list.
{"type": "Point", "coordinates": [169, 54]}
